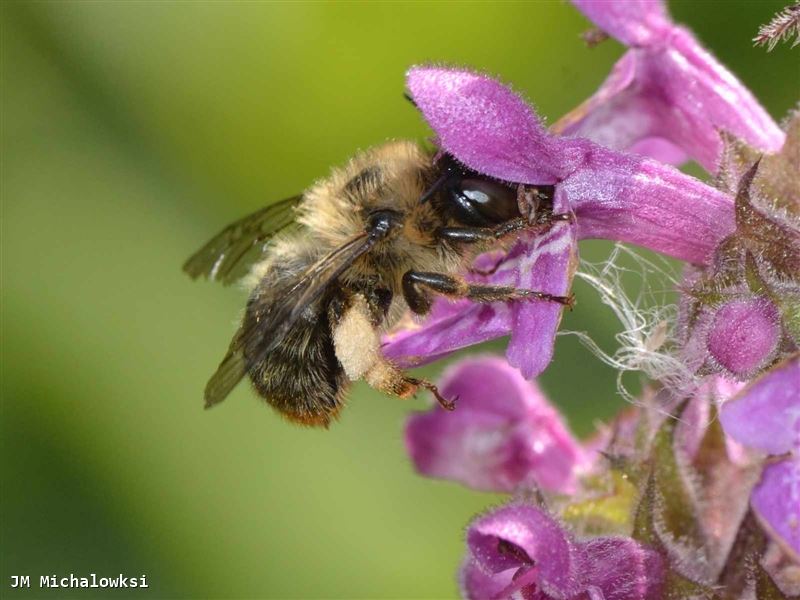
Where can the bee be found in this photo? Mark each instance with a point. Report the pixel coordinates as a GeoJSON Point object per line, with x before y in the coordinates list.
{"type": "Point", "coordinates": [334, 268]}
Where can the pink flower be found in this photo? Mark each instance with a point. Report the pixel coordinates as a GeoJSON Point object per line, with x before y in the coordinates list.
{"type": "Point", "coordinates": [766, 416]}
{"type": "Point", "coordinates": [504, 435]}
{"type": "Point", "coordinates": [519, 550]}
{"type": "Point", "coordinates": [613, 195]}
{"type": "Point", "coordinates": [667, 97]}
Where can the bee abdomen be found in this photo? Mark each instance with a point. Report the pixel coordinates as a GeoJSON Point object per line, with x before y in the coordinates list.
{"type": "Point", "coordinates": [301, 378]}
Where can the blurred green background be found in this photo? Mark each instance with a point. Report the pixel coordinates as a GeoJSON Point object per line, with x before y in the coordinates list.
{"type": "Point", "coordinates": [131, 132]}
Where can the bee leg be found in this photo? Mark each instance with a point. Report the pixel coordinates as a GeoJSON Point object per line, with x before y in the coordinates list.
{"type": "Point", "coordinates": [357, 346]}
{"type": "Point", "coordinates": [443, 402]}
{"type": "Point", "coordinates": [387, 378]}
{"type": "Point", "coordinates": [418, 287]}
{"type": "Point", "coordinates": [475, 235]}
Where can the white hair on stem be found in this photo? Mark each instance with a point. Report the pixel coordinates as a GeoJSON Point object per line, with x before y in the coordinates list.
{"type": "Point", "coordinates": [647, 339]}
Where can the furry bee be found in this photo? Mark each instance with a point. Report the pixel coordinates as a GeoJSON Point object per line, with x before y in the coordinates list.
{"type": "Point", "coordinates": [335, 267]}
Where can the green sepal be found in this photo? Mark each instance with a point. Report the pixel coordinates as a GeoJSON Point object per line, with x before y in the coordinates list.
{"type": "Point", "coordinates": [737, 572]}
{"type": "Point", "coordinates": [644, 525]}
{"type": "Point", "coordinates": [677, 511]}
{"type": "Point", "coordinates": [766, 588]}
{"type": "Point", "coordinates": [676, 585]}
{"type": "Point", "coordinates": [789, 307]}
{"type": "Point", "coordinates": [608, 508]}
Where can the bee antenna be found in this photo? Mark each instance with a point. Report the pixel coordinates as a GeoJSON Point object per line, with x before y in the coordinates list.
{"type": "Point", "coordinates": [408, 97]}
{"type": "Point", "coordinates": [432, 190]}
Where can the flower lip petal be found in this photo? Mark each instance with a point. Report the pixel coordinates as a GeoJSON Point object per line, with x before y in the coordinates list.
{"type": "Point", "coordinates": [766, 414]}
{"type": "Point", "coordinates": [450, 326]}
{"type": "Point", "coordinates": [487, 126]}
{"type": "Point", "coordinates": [475, 584]}
{"type": "Point", "coordinates": [547, 265]}
{"type": "Point", "coordinates": [777, 505]}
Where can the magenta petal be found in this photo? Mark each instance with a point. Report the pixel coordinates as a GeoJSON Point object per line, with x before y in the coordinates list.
{"type": "Point", "coordinates": [766, 414]}
{"type": "Point", "coordinates": [667, 94]}
{"type": "Point", "coordinates": [776, 501]}
{"type": "Point", "coordinates": [503, 434]}
{"type": "Point", "coordinates": [638, 200]}
{"type": "Point", "coordinates": [475, 584]}
{"type": "Point", "coordinates": [449, 327]}
{"type": "Point", "coordinates": [708, 98]}
{"type": "Point", "coordinates": [547, 265]}
{"type": "Point", "coordinates": [744, 335]}
{"type": "Point", "coordinates": [613, 195]}
{"type": "Point", "coordinates": [487, 126]}
{"type": "Point", "coordinates": [519, 535]}
{"type": "Point", "coordinates": [623, 569]}
{"type": "Point", "coordinates": [659, 148]}
{"type": "Point", "coordinates": [704, 98]}
{"type": "Point", "coordinates": [621, 116]}
{"type": "Point", "coordinates": [633, 22]}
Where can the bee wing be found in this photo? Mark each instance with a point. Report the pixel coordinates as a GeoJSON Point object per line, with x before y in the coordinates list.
{"type": "Point", "coordinates": [257, 337]}
{"type": "Point", "coordinates": [228, 255]}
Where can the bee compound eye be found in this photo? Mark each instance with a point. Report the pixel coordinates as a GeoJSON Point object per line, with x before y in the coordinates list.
{"type": "Point", "coordinates": [483, 202]}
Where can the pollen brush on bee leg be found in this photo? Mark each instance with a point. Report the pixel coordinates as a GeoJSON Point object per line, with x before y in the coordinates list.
{"type": "Point", "coordinates": [357, 345]}
{"type": "Point", "coordinates": [342, 263]}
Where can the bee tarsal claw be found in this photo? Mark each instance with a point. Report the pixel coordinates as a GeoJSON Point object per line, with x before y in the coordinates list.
{"type": "Point", "coordinates": [568, 301]}
{"type": "Point", "coordinates": [443, 402]}
{"type": "Point", "coordinates": [451, 404]}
